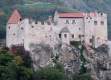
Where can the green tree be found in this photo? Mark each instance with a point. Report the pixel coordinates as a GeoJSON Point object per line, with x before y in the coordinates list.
{"type": "Point", "coordinates": [12, 67]}
{"type": "Point", "coordinates": [82, 77]}
{"type": "Point", "coordinates": [49, 73]}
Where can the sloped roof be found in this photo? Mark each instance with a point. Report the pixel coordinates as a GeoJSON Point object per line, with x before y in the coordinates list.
{"type": "Point", "coordinates": [65, 30]}
{"type": "Point", "coordinates": [15, 17]}
{"type": "Point", "coordinates": [71, 15]}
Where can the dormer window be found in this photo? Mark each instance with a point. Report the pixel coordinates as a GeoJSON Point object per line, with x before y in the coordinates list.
{"type": "Point", "coordinates": [73, 22]}
{"type": "Point", "coordinates": [67, 22]}
{"type": "Point", "coordinates": [95, 22]}
{"type": "Point", "coordinates": [102, 22]}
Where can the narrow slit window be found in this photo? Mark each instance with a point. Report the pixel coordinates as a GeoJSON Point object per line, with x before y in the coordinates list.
{"type": "Point", "coordinates": [72, 35]}
{"type": "Point", "coordinates": [59, 35]}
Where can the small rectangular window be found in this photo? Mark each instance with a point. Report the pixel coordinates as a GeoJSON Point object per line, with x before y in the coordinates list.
{"type": "Point", "coordinates": [65, 35]}
{"type": "Point", "coordinates": [59, 35]}
{"type": "Point", "coordinates": [95, 22]}
{"type": "Point", "coordinates": [72, 35]}
{"type": "Point", "coordinates": [73, 22]}
{"type": "Point", "coordinates": [67, 22]}
{"type": "Point", "coordinates": [22, 28]}
{"type": "Point", "coordinates": [91, 40]}
{"type": "Point", "coordinates": [102, 22]}
{"type": "Point", "coordinates": [9, 27]}
{"type": "Point", "coordinates": [32, 26]}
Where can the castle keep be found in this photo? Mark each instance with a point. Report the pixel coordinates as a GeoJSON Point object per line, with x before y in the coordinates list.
{"type": "Point", "coordinates": [65, 28]}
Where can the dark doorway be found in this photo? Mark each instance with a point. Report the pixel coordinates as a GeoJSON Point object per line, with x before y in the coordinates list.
{"type": "Point", "coordinates": [75, 43]}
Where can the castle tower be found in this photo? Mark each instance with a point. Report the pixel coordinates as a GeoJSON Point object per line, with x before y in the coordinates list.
{"type": "Point", "coordinates": [12, 29]}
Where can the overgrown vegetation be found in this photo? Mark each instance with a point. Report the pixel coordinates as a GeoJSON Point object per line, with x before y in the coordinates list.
{"type": "Point", "coordinates": [12, 67]}
{"type": "Point", "coordinates": [15, 64]}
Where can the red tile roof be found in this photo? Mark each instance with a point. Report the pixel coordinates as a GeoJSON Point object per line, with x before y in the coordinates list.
{"type": "Point", "coordinates": [71, 15]}
{"type": "Point", "coordinates": [15, 17]}
{"type": "Point", "coordinates": [91, 14]}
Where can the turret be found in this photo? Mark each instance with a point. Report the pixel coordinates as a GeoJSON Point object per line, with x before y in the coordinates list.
{"type": "Point", "coordinates": [12, 28]}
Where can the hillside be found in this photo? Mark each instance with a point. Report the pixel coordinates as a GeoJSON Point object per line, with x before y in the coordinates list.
{"type": "Point", "coordinates": [46, 7]}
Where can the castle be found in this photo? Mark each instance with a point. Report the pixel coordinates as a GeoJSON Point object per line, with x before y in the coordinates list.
{"type": "Point", "coordinates": [65, 28]}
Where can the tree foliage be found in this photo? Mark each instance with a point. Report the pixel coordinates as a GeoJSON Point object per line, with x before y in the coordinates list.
{"type": "Point", "coordinates": [49, 73]}
{"type": "Point", "coordinates": [12, 67]}
{"type": "Point", "coordinates": [82, 77]}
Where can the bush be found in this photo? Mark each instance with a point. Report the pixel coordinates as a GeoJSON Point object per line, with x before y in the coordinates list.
{"type": "Point", "coordinates": [82, 77]}
{"type": "Point", "coordinates": [49, 73]}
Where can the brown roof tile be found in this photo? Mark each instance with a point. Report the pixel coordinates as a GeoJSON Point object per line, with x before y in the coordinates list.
{"type": "Point", "coordinates": [71, 15]}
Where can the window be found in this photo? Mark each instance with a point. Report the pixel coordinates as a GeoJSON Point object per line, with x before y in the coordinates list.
{"type": "Point", "coordinates": [48, 23]}
{"type": "Point", "coordinates": [20, 19]}
{"type": "Point", "coordinates": [59, 35]}
{"type": "Point", "coordinates": [13, 34]}
{"type": "Point", "coordinates": [82, 35]}
{"type": "Point", "coordinates": [73, 22]}
{"type": "Point", "coordinates": [90, 17]}
{"type": "Point", "coordinates": [22, 28]}
{"type": "Point", "coordinates": [79, 28]}
{"type": "Point", "coordinates": [42, 23]}
{"type": "Point", "coordinates": [65, 35]}
{"type": "Point", "coordinates": [36, 22]}
{"type": "Point", "coordinates": [95, 22]}
{"type": "Point", "coordinates": [102, 22]}
{"type": "Point", "coordinates": [67, 22]}
{"type": "Point", "coordinates": [72, 35]}
{"type": "Point", "coordinates": [32, 26]}
{"type": "Point", "coordinates": [79, 36]}
{"type": "Point", "coordinates": [91, 40]}
{"type": "Point", "coordinates": [9, 27]}
{"type": "Point", "coordinates": [101, 14]}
